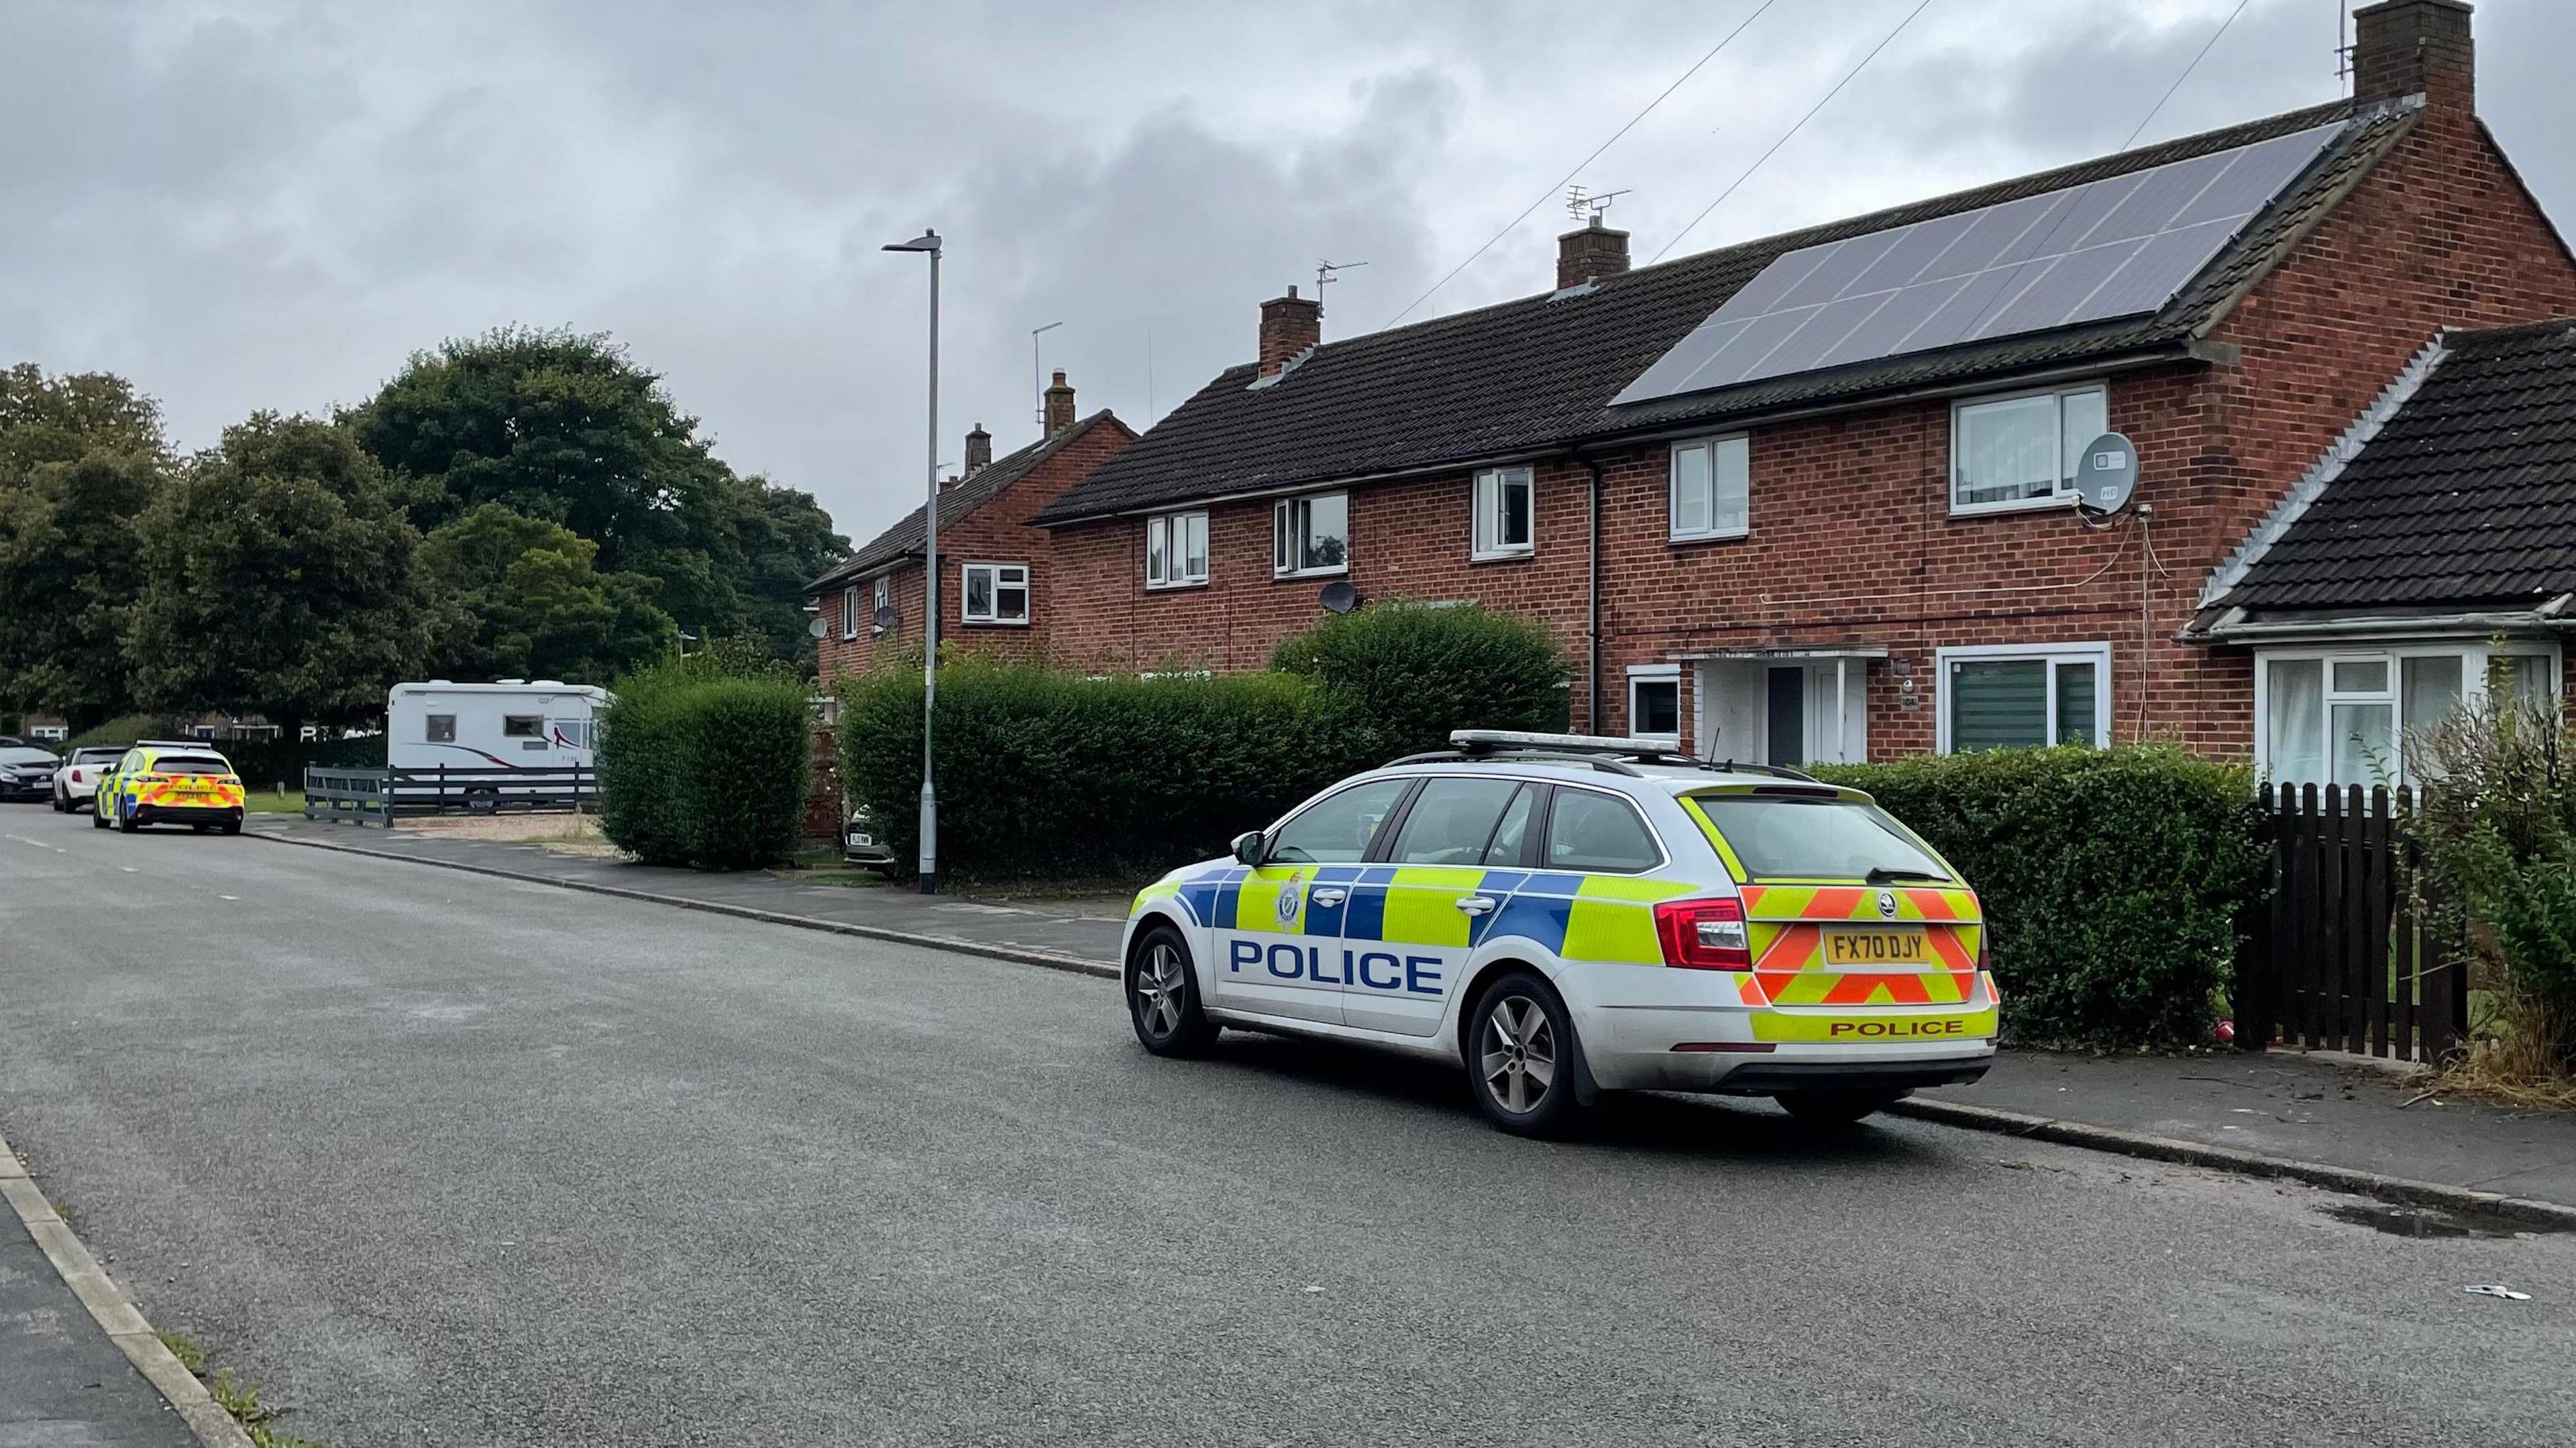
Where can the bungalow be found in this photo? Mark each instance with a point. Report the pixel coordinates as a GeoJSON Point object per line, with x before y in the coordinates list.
{"type": "Point", "coordinates": [1812, 498]}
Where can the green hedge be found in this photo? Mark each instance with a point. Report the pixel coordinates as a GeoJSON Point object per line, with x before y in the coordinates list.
{"type": "Point", "coordinates": [702, 766]}
{"type": "Point", "coordinates": [1044, 773]}
{"type": "Point", "coordinates": [1411, 672]}
{"type": "Point", "coordinates": [2112, 880]}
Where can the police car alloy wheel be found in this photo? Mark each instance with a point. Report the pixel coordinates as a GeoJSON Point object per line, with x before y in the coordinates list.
{"type": "Point", "coordinates": [1521, 1056]}
{"type": "Point", "coordinates": [1835, 1108]}
{"type": "Point", "coordinates": [1161, 998]}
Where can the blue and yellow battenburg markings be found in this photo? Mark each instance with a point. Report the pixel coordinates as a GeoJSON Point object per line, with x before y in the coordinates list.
{"type": "Point", "coordinates": [1576, 916]}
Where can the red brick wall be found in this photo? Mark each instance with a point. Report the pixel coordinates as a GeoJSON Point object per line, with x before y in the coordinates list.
{"type": "Point", "coordinates": [998, 531]}
{"type": "Point", "coordinates": [1851, 538]}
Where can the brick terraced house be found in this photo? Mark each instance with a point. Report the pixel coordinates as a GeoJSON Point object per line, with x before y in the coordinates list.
{"type": "Point", "coordinates": [994, 592]}
{"type": "Point", "coordinates": [1809, 498]}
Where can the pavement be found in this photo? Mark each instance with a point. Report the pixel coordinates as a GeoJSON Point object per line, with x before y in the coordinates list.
{"type": "Point", "coordinates": [63, 1384]}
{"type": "Point", "coordinates": [442, 1158]}
{"type": "Point", "coordinates": [2337, 1111]}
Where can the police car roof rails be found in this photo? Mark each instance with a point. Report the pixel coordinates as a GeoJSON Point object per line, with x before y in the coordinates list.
{"type": "Point", "coordinates": [1543, 756]}
{"type": "Point", "coordinates": [1589, 749]}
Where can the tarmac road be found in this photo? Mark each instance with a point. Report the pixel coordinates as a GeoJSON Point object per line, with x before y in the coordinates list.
{"type": "Point", "coordinates": [442, 1159]}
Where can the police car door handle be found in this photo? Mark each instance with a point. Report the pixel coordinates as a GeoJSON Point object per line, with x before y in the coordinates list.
{"type": "Point", "coordinates": [1475, 904]}
{"type": "Point", "coordinates": [1326, 896]}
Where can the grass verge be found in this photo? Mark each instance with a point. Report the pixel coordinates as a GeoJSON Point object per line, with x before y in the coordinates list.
{"type": "Point", "coordinates": [234, 1396]}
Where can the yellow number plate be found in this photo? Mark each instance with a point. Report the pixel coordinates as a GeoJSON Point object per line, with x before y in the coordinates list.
{"type": "Point", "coordinates": [1879, 949]}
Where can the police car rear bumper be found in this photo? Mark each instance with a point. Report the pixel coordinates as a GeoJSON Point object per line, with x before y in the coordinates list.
{"type": "Point", "coordinates": [187, 813]}
{"type": "Point", "coordinates": [1762, 1069]}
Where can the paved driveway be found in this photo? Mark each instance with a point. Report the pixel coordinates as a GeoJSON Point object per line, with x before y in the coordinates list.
{"type": "Point", "coordinates": [445, 1159]}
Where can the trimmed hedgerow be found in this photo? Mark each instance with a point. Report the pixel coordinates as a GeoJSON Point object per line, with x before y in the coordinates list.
{"type": "Point", "coordinates": [1046, 773]}
{"type": "Point", "coordinates": [704, 762]}
{"type": "Point", "coordinates": [2112, 880]}
{"type": "Point", "coordinates": [1411, 672]}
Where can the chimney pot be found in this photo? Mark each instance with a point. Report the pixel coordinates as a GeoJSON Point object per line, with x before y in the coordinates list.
{"type": "Point", "coordinates": [1289, 325]}
{"type": "Point", "coordinates": [1590, 252]}
{"type": "Point", "coordinates": [2403, 47]}
{"type": "Point", "coordinates": [1059, 406]}
{"type": "Point", "coordinates": [979, 450]}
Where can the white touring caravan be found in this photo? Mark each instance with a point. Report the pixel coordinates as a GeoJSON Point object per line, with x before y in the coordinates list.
{"type": "Point", "coordinates": [514, 724]}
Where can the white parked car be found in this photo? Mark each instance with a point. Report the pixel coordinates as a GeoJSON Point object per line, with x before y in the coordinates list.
{"type": "Point", "coordinates": [1565, 915]}
{"type": "Point", "coordinates": [76, 778]}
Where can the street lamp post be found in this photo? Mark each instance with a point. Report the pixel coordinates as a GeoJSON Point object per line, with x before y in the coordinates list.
{"type": "Point", "coordinates": [929, 242]}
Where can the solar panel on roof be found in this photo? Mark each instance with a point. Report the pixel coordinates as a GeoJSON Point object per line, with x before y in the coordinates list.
{"type": "Point", "coordinates": [2115, 247]}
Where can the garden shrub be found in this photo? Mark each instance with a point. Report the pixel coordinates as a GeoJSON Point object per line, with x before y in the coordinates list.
{"type": "Point", "coordinates": [2112, 880]}
{"type": "Point", "coordinates": [1411, 672]}
{"type": "Point", "coordinates": [1046, 773]}
{"type": "Point", "coordinates": [704, 761]}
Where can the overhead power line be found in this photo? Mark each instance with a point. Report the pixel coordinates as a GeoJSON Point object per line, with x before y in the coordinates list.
{"type": "Point", "coordinates": [1793, 130]}
{"type": "Point", "coordinates": [1560, 186]}
{"type": "Point", "coordinates": [2186, 75]}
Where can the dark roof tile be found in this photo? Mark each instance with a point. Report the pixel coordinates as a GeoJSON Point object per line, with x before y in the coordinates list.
{"type": "Point", "coordinates": [905, 538]}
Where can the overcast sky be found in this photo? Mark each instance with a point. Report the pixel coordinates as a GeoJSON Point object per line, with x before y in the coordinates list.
{"type": "Point", "coordinates": [247, 205]}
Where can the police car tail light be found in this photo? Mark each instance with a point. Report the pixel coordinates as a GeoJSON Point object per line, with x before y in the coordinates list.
{"type": "Point", "coordinates": [1704, 934]}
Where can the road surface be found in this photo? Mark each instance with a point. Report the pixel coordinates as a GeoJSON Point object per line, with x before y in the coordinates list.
{"type": "Point", "coordinates": [443, 1159]}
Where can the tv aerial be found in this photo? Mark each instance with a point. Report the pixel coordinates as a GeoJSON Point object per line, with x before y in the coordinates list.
{"type": "Point", "coordinates": [1324, 277]}
{"type": "Point", "coordinates": [1585, 207]}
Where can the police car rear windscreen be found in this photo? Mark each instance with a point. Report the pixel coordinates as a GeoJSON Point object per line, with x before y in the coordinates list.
{"type": "Point", "coordinates": [1785, 837]}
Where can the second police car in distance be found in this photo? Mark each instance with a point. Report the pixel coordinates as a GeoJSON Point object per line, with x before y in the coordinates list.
{"type": "Point", "coordinates": [170, 782]}
{"type": "Point", "coordinates": [1565, 915]}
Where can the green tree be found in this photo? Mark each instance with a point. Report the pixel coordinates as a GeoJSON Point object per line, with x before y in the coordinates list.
{"type": "Point", "coordinates": [566, 428]}
{"type": "Point", "coordinates": [521, 597]}
{"type": "Point", "coordinates": [279, 580]}
{"type": "Point", "coordinates": [80, 457]}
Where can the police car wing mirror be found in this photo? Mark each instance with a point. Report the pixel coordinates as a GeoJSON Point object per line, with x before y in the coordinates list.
{"type": "Point", "coordinates": [1248, 847]}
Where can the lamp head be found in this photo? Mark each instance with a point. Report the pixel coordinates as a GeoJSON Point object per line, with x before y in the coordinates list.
{"type": "Point", "coordinates": [928, 241]}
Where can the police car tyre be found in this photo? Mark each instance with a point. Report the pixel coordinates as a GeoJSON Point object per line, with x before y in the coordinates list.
{"type": "Point", "coordinates": [1163, 999]}
{"type": "Point", "coordinates": [97, 821]}
{"type": "Point", "coordinates": [129, 823]}
{"type": "Point", "coordinates": [1521, 1057]}
{"type": "Point", "coordinates": [232, 827]}
{"type": "Point", "coordinates": [1836, 1108]}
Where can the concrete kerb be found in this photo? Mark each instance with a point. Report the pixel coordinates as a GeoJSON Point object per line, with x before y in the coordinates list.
{"type": "Point", "coordinates": [2403, 1191]}
{"type": "Point", "coordinates": [1051, 960]}
{"type": "Point", "coordinates": [115, 1312]}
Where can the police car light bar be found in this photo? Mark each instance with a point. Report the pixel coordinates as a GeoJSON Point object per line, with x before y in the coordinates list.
{"type": "Point", "coordinates": [1477, 741]}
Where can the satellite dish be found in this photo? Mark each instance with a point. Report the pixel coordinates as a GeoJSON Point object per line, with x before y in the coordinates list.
{"type": "Point", "coordinates": [1339, 597]}
{"type": "Point", "coordinates": [2106, 475]}
{"type": "Point", "coordinates": [884, 617]}
{"type": "Point", "coordinates": [816, 626]}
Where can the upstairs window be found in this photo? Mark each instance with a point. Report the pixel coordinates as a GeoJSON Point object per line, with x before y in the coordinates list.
{"type": "Point", "coordinates": [884, 601]}
{"type": "Point", "coordinates": [2017, 452]}
{"type": "Point", "coordinates": [1505, 500]}
{"type": "Point", "coordinates": [1176, 550]}
{"type": "Point", "coordinates": [1311, 535]}
{"type": "Point", "coordinates": [850, 612]}
{"type": "Point", "coordinates": [995, 593]}
{"type": "Point", "coordinates": [1711, 494]}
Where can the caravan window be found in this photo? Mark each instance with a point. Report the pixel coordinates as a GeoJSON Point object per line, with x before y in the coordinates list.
{"type": "Point", "coordinates": [523, 726]}
{"type": "Point", "coordinates": [442, 729]}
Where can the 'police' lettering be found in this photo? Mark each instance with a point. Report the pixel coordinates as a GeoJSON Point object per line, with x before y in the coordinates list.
{"type": "Point", "coordinates": [1419, 980]}
{"type": "Point", "coordinates": [1886, 1030]}
{"type": "Point", "coordinates": [1296, 962]}
{"type": "Point", "coordinates": [1394, 976]}
{"type": "Point", "coordinates": [1240, 953]}
{"type": "Point", "coordinates": [1315, 966]}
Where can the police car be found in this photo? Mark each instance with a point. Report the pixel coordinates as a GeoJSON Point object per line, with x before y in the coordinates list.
{"type": "Point", "coordinates": [1565, 915]}
{"type": "Point", "coordinates": [169, 782]}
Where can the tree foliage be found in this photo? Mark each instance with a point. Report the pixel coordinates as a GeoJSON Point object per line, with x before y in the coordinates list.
{"type": "Point", "coordinates": [566, 428]}
{"type": "Point", "coordinates": [278, 579]}
{"type": "Point", "coordinates": [521, 597]}
{"type": "Point", "coordinates": [80, 458]}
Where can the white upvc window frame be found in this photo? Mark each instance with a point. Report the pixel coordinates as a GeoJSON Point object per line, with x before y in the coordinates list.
{"type": "Point", "coordinates": [994, 618]}
{"type": "Point", "coordinates": [2476, 657]}
{"type": "Point", "coordinates": [2098, 654]}
{"type": "Point", "coordinates": [1650, 674]}
{"type": "Point", "coordinates": [1301, 506]}
{"type": "Point", "coordinates": [1718, 449]}
{"type": "Point", "coordinates": [1175, 572]}
{"type": "Point", "coordinates": [1485, 514]}
{"type": "Point", "coordinates": [2064, 495]}
{"type": "Point", "coordinates": [880, 601]}
{"type": "Point", "coordinates": [849, 613]}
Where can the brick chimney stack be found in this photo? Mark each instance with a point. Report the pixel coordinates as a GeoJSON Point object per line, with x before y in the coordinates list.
{"type": "Point", "coordinates": [1059, 406]}
{"type": "Point", "coordinates": [2401, 47]}
{"type": "Point", "coordinates": [979, 449]}
{"type": "Point", "coordinates": [1589, 253]}
{"type": "Point", "coordinates": [1289, 325]}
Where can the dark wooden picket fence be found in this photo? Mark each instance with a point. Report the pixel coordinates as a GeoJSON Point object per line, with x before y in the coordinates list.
{"type": "Point", "coordinates": [2340, 956]}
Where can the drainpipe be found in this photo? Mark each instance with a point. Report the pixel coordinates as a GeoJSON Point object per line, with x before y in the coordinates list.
{"type": "Point", "coordinates": [1592, 612]}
